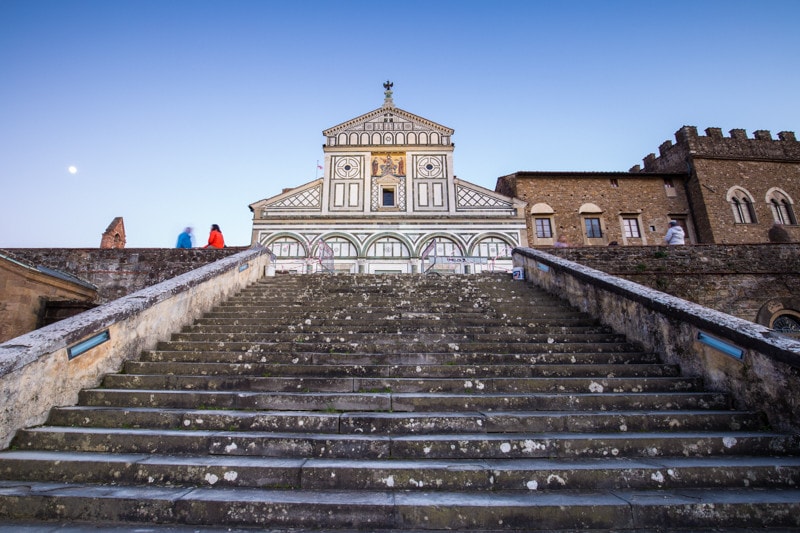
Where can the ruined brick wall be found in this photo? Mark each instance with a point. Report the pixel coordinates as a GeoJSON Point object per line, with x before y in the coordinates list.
{"type": "Point", "coordinates": [718, 164]}
{"type": "Point", "coordinates": [118, 272]}
{"type": "Point", "coordinates": [741, 280]}
{"type": "Point", "coordinates": [114, 235]}
{"type": "Point", "coordinates": [619, 195]}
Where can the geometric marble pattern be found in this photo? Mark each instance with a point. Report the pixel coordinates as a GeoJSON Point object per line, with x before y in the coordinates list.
{"type": "Point", "coordinates": [308, 198]}
{"type": "Point", "coordinates": [476, 199]}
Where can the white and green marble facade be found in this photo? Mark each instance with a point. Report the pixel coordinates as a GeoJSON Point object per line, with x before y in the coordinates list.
{"type": "Point", "coordinates": [388, 188]}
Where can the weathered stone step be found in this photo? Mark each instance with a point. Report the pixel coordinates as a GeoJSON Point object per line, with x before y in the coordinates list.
{"type": "Point", "coordinates": [598, 371]}
{"type": "Point", "coordinates": [388, 346]}
{"type": "Point", "coordinates": [418, 423]}
{"type": "Point", "coordinates": [254, 354]}
{"type": "Point", "coordinates": [401, 401]}
{"type": "Point", "coordinates": [453, 383]}
{"type": "Point", "coordinates": [342, 313]}
{"type": "Point", "coordinates": [422, 319]}
{"type": "Point", "coordinates": [429, 446]}
{"type": "Point", "coordinates": [373, 510]}
{"type": "Point", "coordinates": [418, 326]}
{"type": "Point", "coordinates": [527, 475]}
{"type": "Point", "coordinates": [445, 303]}
{"type": "Point", "coordinates": [400, 337]}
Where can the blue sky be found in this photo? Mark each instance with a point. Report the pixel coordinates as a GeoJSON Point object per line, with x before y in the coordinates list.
{"type": "Point", "coordinates": [183, 112]}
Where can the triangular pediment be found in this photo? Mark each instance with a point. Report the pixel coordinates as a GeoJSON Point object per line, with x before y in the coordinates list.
{"type": "Point", "coordinates": [388, 126]}
{"type": "Point", "coordinates": [470, 196]}
{"type": "Point", "coordinates": [305, 197]}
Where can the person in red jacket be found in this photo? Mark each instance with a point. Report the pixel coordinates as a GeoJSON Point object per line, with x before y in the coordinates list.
{"type": "Point", "coordinates": [215, 239]}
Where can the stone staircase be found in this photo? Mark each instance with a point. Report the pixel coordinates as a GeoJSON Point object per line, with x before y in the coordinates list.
{"type": "Point", "coordinates": [418, 403]}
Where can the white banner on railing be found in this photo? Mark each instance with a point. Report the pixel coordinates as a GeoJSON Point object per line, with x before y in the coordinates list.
{"type": "Point", "coordinates": [460, 260]}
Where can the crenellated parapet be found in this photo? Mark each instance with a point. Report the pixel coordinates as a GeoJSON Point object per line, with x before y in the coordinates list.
{"type": "Point", "coordinates": [673, 157]}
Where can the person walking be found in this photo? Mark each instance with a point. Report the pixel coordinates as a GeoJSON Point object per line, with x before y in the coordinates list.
{"type": "Point", "coordinates": [675, 234]}
{"type": "Point", "coordinates": [185, 239]}
{"type": "Point", "coordinates": [215, 239]}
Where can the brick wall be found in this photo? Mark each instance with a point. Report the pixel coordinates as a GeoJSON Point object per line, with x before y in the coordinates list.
{"type": "Point", "coordinates": [618, 195]}
{"type": "Point", "coordinates": [740, 280]}
{"type": "Point", "coordinates": [118, 272]}
{"type": "Point", "coordinates": [718, 163]}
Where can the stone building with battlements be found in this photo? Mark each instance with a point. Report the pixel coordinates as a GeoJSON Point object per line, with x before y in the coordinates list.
{"type": "Point", "coordinates": [389, 202]}
{"type": "Point", "coordinates": [722, 190]}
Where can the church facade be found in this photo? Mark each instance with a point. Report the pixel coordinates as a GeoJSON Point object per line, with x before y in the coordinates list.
{"type": "Point", "coordinates": [389, 202]}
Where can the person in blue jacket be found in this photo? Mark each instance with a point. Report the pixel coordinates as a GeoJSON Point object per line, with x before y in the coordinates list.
{"type": "Point", "coordinates": [185, 239]}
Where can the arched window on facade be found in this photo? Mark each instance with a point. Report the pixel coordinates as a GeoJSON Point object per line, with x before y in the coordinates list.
{"type": "Point", "coordinates": [593, 224]}
{"type": "Point", "coordinates": [342, 248]}
{"type": "Point", "coordinates": [287, 247]}
{"type": "Point", "coordinates": [543, 224]}
{"type": "Point", "coordinates": [742, 206]}
{"type": "Point", "coordinates": [493, 248]}
{"type": "Point", "coordinates": [388, 247]}
{"type": "Point", "coordinates": [781, 206]}
{"type": "Point", "coordinates": [444, 248]}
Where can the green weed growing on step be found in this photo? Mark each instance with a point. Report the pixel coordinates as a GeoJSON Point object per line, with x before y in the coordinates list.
{"type": "Point", "coordinates": [376, 390]}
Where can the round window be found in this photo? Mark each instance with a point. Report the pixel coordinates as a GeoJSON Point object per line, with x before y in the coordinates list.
{"type": "Point", "coordinates": [786, 324]}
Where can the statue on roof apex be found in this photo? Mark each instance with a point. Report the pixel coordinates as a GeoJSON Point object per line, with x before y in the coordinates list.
{"type": "Point", "coordinates": [388, 102]}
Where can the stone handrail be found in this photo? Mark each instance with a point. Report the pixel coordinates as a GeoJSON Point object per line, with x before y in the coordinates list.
{"type": "Point", "coordinates": [36, 372]}
{"type": "Point", "coordinates": [761, 369]}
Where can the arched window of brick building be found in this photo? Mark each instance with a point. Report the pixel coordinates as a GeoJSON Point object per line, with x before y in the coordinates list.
{"type": "Point", "coordinates": [781, 206]}
{"type": "Point", "coordinates": [543, 225]}
{"type": "Point", "coordinates": [593, 224]}
{"type": "Point", "coordinates": [742, 205]}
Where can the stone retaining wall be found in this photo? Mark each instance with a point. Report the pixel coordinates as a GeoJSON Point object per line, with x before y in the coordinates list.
{"type": "Point", "coordinates": [37, 374]}
{"type": "Point", "coordinates": [117, 272]}
{"type": "Point", "coordinates": [766, 377]}
{"type": "Point", "coordinates": [738, 279]}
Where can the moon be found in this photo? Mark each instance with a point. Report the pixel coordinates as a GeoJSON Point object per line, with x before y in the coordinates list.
{"type": "Point", "coordinates": [72, 169]}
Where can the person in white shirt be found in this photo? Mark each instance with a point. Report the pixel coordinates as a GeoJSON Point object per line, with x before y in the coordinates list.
{"type": "Point", "coordinates": [675, 234]}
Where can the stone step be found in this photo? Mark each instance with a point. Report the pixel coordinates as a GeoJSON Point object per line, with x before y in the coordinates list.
{"type": "Point", "coordinates": [445, 311]}
{"type": "Point", "coordinates": [447, 384]}
{"type": "Point", "coordinates": [418, 423]}
{"type": "Point", "coordinates": [418, 326]}
{"type": "Point", "coordinates": [597, 371]}
{"type": "Point", "coordinates": [386, 346]}
{"type": "Point", "coordinates": [445, 303]}
{"type": "Point", "coordinates": [373, 510]}
{"type": "Point", "coordinates": [429, 446]}
{"type": "Point", "coordinates": [526, 475]}
{"type": "Point", "coordinates": [401, 401]}
{"type": "Point", "coordinates": [400, 337]}
{"type": "Point", "coordinates": [312, 319]}
{"type": "Point", "coordinates": [255, 354]}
